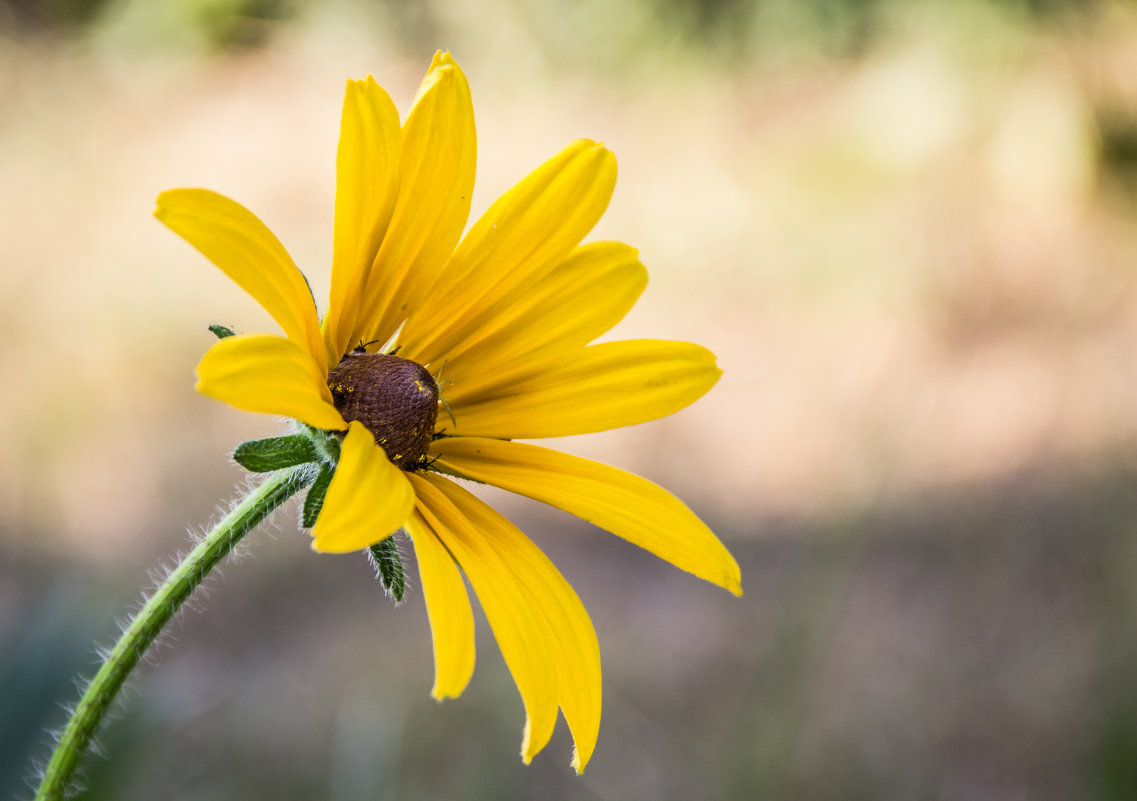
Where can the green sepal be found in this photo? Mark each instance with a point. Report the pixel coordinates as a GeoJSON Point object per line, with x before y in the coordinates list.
{"type": "Point", "coordinates": [388, 564]}
{"type": "Point", "coordinates": [326, 443]}
{"type": "Point", "coordinates": [314, 501]}
{"type": "Point", "coordinates": [275, 453]}
{"type": "Point", "coordinates": [221, 331]}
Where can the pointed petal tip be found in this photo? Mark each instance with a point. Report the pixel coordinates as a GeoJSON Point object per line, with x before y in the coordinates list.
{"type": "Point", "coordinates": [440, 693]}
{"type": "Point", "coordinates": [527, 753]}
{"type": "Point", "coordinates": [444, 57]}
{"type": "Point", "coordinates": [601, 151]}
{"type": "Point", "coordinates": [338, 544]}
{"type": "Point", "coordinates": [582, 749]}
{"type": "Point", "coordinates": [731, 579]}
{"type": "Point", "coordinates": [529, 748]}
{"type": "Point", "coordinates": [320, 545]}
{"type": "Point", "coordinates": [590, 148]}
{"type": "Point", "coordinates": [442, 75]}
{"type": "Point", "coordinates": [166, 200]}
{"type": "Point", "coordinates": [328, 545]}
{"type": "Point", "coordinates": [576, 762]}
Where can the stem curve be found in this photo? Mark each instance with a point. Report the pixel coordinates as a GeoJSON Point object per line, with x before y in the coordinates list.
{"type": "Point", "coordinates": [56, 782]}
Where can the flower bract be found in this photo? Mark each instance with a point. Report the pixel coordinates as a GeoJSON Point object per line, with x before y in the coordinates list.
{"type": "Point", "coordinates": [437, 352]}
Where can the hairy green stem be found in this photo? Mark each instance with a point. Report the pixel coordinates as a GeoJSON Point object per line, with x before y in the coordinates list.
{"type": "Point", "coordinates": [146, 625]}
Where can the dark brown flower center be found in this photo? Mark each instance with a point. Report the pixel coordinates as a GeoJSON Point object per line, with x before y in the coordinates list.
{"type": "Point", "coordinates": [395, 398]}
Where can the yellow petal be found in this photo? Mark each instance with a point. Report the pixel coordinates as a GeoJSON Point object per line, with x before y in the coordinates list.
{"type": "Point", "coordinates": [570, 635]}
{"type": "Point", "coordinates": [519, 631]}
{"type": "Point", "coordinates": [448, 607]}
{"type": "Point", "coordinates": [603, 386]}
{"type": "Point", "coordinates": [539, 622]}
{"type": "Point", "coordinates": [439, 156]}
{"type": "Point", "coordinates": [584, 296]}
{"type": "Point", "coordinates": [270, 374]}
{"type": "Point", "coordinates": [516, 243]}
{"type": "Point", "coordinates": [368, 500]}
{"type": "Point", "coordinates": [367, 183]}
{"type": "Point", "coordinates": [234, 239]}
{"type": "Point", "coordinates": [629, 506]}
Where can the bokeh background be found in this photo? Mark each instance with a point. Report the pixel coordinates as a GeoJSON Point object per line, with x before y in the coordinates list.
{"type": "Point", "coordinates": [908, 230]}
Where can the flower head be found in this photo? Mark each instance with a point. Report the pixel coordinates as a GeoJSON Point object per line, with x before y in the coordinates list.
{"type": "Point", "coordinates": [495, 329]}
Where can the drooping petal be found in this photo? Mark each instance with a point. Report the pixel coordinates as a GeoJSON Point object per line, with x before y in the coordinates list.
{"type": "Point", "coordinates": [368, 165]}
{"type": "Point", "coordinates": [609, 385]}
{"type": "Point", "coordinates": [584, 296]}
{"type": "Point", "coordinates": [625, 504]}
{"type": "Point", "coordinates": [515, 243]}
{"type": "Point", "coordinates": [368, 500]}
{"type": "Point", "coordinates": [519, 631]}
{"type": "Point", "coordinates": [234, 239]}
{"type": "Point", "coordinates": [540, 625]}
{"type": "Point", "coordinates": [448, 607]}
{"type": "Point", "coordinates": [570, 634]}
{"type": "Point", "coordinates": [270, 374]}
{"type": "Point", "coordinates": [439, 157]}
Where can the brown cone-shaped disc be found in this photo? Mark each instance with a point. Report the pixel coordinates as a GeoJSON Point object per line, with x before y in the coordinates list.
{"type": "Point", "coordinates": [395, 398]}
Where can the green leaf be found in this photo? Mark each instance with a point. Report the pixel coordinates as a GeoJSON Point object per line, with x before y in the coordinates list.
{"type": "Point", "coordinates": [314, 501]}
{"type": "Point", "coordinates": [276, 453]}
{"type": "Point", "coordinates": [221, 331]}
{"type": "Point", "coordinates": [388, 564]}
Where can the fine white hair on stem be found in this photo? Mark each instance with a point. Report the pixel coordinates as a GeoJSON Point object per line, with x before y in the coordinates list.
{"type": "Point", "coordinates": [148, 625]}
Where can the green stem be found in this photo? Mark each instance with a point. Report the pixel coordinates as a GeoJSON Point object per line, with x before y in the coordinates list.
{"type": "Point", "coordinates": [146, 625]}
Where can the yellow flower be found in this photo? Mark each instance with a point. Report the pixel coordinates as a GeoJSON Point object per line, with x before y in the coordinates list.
{"type": "Point", "coordinates": [506, 315]}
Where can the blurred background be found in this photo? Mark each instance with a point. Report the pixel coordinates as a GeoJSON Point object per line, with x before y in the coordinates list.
{"type": "Point", "coordinates": [908, 230]}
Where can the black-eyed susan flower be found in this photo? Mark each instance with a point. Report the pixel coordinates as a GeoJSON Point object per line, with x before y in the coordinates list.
{"type": "Point", "coordinates": [437, 353]}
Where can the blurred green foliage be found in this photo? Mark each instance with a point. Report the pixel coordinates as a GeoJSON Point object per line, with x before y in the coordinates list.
{"type": "Point", "coordinates": [717, 29]}
{"type": "Point", "coordinates": [1117, 131]}
{"type": "Point", "coordinates": [51, 15]}
{"type": "Point", "coordinates": [224, 24]}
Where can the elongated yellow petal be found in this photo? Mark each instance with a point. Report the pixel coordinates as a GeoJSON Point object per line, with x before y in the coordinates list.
{"type": "Point", "coordinates": [515, 243]}
{"type": "Point", "coordinates": [584, 296]}
{"type": "Point", "coordinates": [539, 622]}
{"type": "Point", "coordinates": [368, 166]}
{"type": "Point", "coordinates": [234, 239]}
{"type": "Point", "coordinates": [448, 607]}
{"type": "Point", "coordinates": [368, 500]}
{"type": "Point", "coordinates": [519, 631]}
{"type": "Point", "coordinates": [270, 374]}
{"type": "Point", "coordinates": [603, 386]}
{"type": "Point", "coordinates": [569, 632]}
{"type": "Point", "coordinates": [627, 505]}
{"type": "Point", "coordinates": [439, 157]}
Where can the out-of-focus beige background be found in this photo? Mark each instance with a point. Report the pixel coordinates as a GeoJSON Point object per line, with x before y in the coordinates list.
{"type": "Point", "coordinates": [908, 230]}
